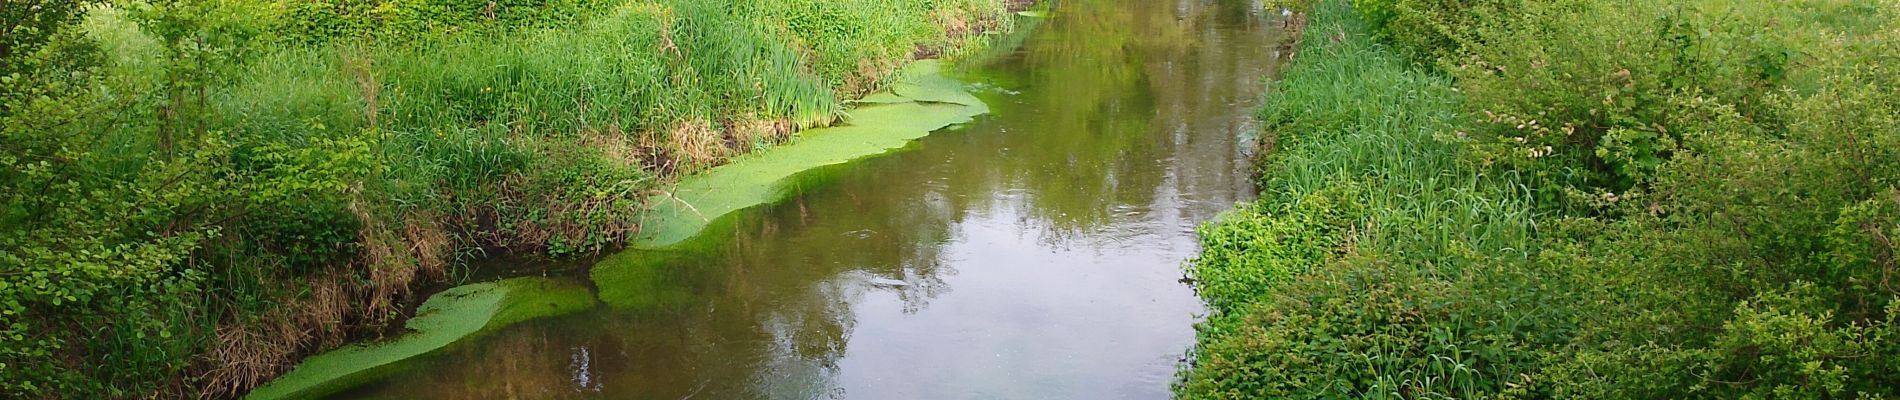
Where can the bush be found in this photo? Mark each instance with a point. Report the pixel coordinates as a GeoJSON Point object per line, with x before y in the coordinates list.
{"type": "Point", "coordinates": [1371, 266]}
{"type": "Point", "coordinates": [1602, 105]}
{"type": "Point", "coordinates": [1432, 29]}
{"type": "Point", "coordinates": [1683, 200]}
{"type": "Point", "coordinates": [317, 21]}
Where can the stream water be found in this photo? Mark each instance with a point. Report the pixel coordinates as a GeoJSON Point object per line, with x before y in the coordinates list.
{"type": "Point", "coordinates": [1034, 253]}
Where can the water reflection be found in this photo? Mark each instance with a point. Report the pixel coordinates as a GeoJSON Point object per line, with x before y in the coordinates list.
{"type": "Point", "coordinates": [1033, 254]}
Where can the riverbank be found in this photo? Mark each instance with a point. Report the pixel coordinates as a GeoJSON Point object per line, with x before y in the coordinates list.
{"type": "Point", "coordinates": [295, 169]}
{"type": "Point", "coordinates": [1535, 199]}
{"type": "Point", "coordinates": [938, 269]}
{"type": "Point", "coordinates": [920, 102]}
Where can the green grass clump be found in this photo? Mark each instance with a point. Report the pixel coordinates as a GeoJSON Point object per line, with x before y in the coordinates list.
{"type": "Point", "coordinates": [1574, 199]}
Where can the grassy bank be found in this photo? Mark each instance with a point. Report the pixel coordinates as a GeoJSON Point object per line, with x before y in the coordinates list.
{"type": "Point", "coordinates": [195, 193]}
{"type": "Point", "coordinates": [689, 216]}
{"type": "Point", "coordinates": [1568, 199]}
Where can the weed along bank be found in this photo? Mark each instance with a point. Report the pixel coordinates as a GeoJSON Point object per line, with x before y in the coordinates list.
{"type": "Point", "coordinates": [1566, 199]}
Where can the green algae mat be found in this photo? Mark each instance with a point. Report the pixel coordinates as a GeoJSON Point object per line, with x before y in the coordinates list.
{"type": "Point", "coordinates": [448, 317]}
{"type": "Point", "coordinates": [923, 101]}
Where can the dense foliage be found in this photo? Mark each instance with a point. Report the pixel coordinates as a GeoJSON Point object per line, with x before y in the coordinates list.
{"type": "Point", "coordinates": [194, 192]}
{"type": "Point", "coordinates": [1569, 199]}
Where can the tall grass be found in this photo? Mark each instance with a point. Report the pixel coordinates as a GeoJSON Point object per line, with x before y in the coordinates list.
{"type": "Point", "coordinates": [1361, 160]}
{"type": "Point", "coordinates": [1370, 222]}
{"type": "Point", "coordinates": [468, 111]}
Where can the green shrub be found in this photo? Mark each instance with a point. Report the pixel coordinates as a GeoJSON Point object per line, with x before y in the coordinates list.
{"type": "Point", "coordinates": [316, 21]}
{"type": "Point", "coordinates": [1602, 105]}
{"type": "Point", "coordinates": [1779, 345]}
{"type": "Point", "coordinates": [1370, 265]}
{"type": "Point", "coordinates": [1431, 29]}
{"type": "Point", "coordinates": [1681, 200]}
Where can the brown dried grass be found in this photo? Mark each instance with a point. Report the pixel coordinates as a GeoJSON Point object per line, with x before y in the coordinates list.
{"type": "Point", "coordinates": [335, 308]}
{"type": "Point", "coordinates": [696, 144]}
{"type": "Point", "coordinates": [744, 132]}
{"type": "Point", "coordinates": [614, 144]}
{"type": "Point", "coordinates": [246, 355]}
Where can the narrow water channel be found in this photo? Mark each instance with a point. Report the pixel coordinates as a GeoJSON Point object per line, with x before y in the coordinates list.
{"type": "Point", "coordinates": [1034, 253]}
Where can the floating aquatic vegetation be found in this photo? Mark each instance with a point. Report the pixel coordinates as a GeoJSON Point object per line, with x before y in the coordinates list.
{"type": "Point", "coordinates": [446, 318]}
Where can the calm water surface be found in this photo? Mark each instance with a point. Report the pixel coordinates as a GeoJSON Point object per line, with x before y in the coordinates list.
{"type": "Point", "coordinates": [1035, 253]}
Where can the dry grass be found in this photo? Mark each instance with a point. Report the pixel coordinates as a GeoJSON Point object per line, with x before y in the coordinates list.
{"type": "Point", "coordinates": [391, 266]}
{"type": "Point", "coordinates": [429, 244]}
{"type": "Point", "coordinates": [696, 145]}
{"type": "Point", "coordinates": [246, 355]}
{"type": "Point", "coordinates": [868, 76]}
{"type": "Point", "coordinates": [744, 132]}
{"type": "Point", "coordinates": [614, 144]}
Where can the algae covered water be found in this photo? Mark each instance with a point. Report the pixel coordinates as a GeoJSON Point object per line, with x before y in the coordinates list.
{"type": "Point", "coordinates": [1032, 253]}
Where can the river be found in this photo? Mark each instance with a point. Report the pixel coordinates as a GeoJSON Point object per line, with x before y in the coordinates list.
{"type": "Point", "coordinates": [1034, 253]}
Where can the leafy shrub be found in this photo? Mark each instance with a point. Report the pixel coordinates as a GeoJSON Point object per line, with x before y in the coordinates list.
{"type": "Point", "coordinates": [1431, 29]}
{"type": "Point", "coordinates": [1602, 105]}
{"type": "Point", "coordinates": [316, 21]}
{"type": "Point", "coordinates": [1354, 275]}
{"type": "Point", "coordinates": [1683, 200]}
